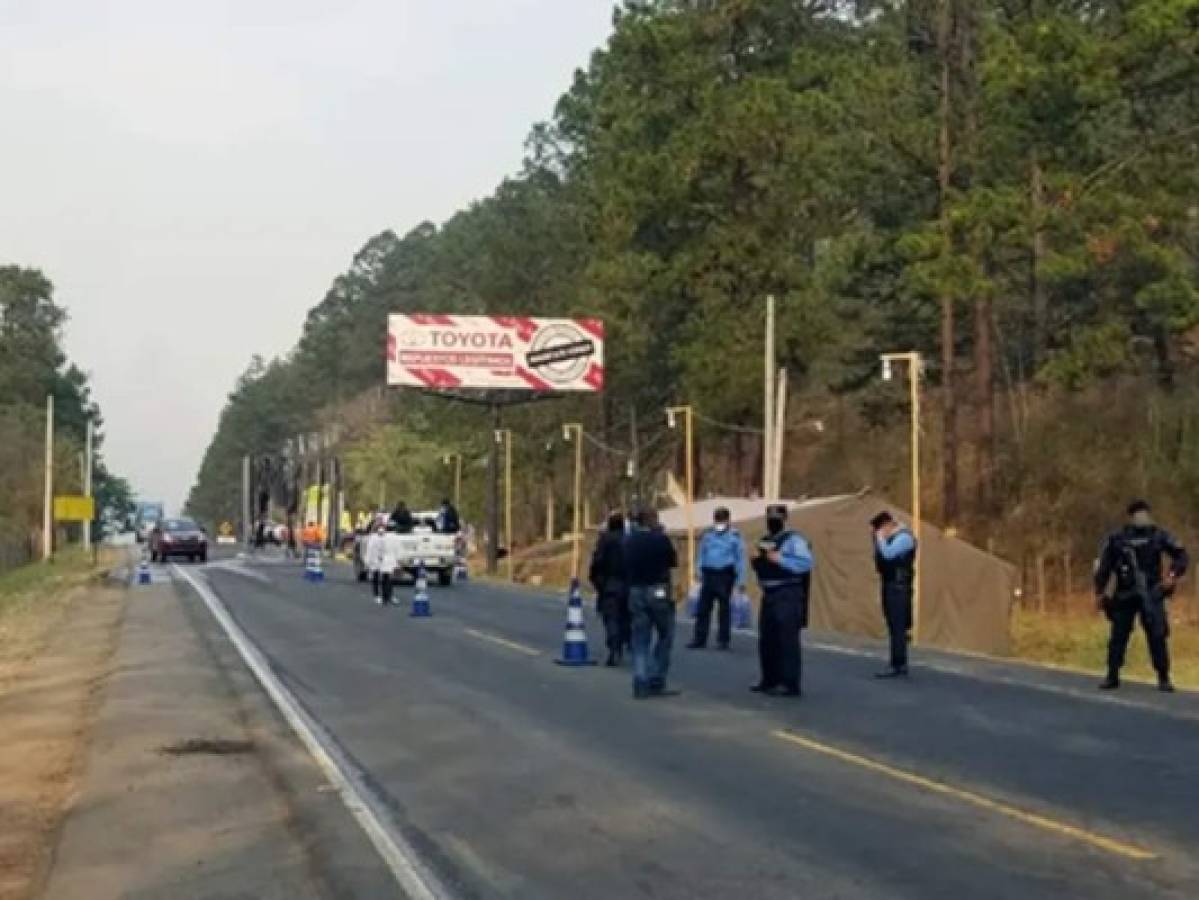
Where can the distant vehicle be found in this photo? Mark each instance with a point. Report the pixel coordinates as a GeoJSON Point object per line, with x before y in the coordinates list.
{"type": "Point", "coordinates": [425, 546]}
{"type": "Point", "coordinates": [147, 515]}
{"type": "Point", "coordinates": [178, 537]}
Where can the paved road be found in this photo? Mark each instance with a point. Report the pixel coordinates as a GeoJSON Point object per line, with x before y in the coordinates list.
{"type": "Point", "coordinates": [518, 778]}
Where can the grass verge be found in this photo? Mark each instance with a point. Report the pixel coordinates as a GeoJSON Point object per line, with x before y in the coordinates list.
{"type": "Point", "coordinates": [1078, 640]}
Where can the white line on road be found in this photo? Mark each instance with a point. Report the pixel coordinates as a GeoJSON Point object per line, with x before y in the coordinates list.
{"type": "Point", "coordinates": [401, 858]}
{"type": "Point", "coordinates": [503, 642]}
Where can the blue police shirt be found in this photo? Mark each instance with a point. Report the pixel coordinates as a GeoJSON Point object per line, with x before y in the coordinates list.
{"type": "Point", "coordinates": [897, 545]}
{"type": "Point", "coordinates": [722, 550]}
{"type": "Point", "coordinates": [796, 555]}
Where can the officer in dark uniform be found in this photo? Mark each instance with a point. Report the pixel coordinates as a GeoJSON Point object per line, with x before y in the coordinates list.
{"type": "Point", "coordinates": [895, 559]}
{"type": "Point", "coordinates": [1133, 556]}
{"type": "Point", "coordinates": [783, 565]}
{"type": "Point", "coordinates": [607, 575]}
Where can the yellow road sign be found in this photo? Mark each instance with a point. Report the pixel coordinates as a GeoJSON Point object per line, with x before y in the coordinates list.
{"type": "Point", "coordinates": [73, 508]}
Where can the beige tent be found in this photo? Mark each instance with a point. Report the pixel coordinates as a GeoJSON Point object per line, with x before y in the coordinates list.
{"type": "Point", "coordinates": [966, 593]}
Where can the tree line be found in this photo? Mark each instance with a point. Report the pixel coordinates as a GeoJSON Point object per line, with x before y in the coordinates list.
{"type": "Point", "coordinates": [1009, 188]}
{"type": "Point", "coordinates": [33, 366]}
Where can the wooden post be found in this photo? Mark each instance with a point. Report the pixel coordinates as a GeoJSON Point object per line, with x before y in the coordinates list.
{"type": "Point", "coordinates": [1041, 582]}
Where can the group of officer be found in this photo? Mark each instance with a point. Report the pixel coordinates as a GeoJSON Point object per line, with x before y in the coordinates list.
{"type": "Point", "coordinates": [632, 564]}
{"type": "Point", "coordinates": [631, 572]}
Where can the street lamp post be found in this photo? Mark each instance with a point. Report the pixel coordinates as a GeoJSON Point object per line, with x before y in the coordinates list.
{"type": "Point", "coordinates": [504, 436]}
{"type": "Point", "coordinates": [574, 431]}
{"type": "Point", "coordinates": [915, 367]}
{"type": "Point", "coordinates": [672, 415]}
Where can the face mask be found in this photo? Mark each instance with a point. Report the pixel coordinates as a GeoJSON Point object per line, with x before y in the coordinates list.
{"type": "Point", "coordinates": [721, 528]}
{"type": "Point", "coordinates": [774, 526]}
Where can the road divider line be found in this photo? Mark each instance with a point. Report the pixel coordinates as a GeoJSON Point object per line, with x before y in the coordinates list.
{"type": "Point", "coordinates": [414, 879]}
{"type": "Point", "coordinates": [503, 642]}
{"type": "Point", "coordinates": [1111, 845]}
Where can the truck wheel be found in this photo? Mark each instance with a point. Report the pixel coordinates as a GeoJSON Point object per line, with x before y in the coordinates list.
{"type": "Point", "coordinates": [445, 577]}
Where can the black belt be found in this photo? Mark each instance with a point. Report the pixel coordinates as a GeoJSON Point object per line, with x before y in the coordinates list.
{"type": "Point", "coordinates": [727, 570]}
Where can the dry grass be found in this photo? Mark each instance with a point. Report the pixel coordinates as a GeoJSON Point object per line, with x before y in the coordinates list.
{"type": "Point", "coordinates": [1077, 639]}
{"type": "Point", "coordinates": [34, 598]}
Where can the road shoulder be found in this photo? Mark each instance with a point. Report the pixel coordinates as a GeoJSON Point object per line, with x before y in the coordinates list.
{"type": "Point", "coordinates": [190, 788]}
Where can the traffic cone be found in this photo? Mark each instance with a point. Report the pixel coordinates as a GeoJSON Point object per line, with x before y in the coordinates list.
{"type": "Point", "coordinates": [575, 650]}
{"type": "Point", "coordinates": [143, 572]}
{"type": "Point", "coordinates": [420, 600]}
{"type": "Point", "coordinates": [313, 568]}
{"type": "Point", "coordinates": [460, 572]}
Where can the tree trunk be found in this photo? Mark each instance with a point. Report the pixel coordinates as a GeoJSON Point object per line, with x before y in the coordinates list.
{"type": "Point", "coordinates": [984, 368]}
{"type": "Point", "coordinates": [949, 450]}
{"type": "Point", "coordinates": [1040, 303]}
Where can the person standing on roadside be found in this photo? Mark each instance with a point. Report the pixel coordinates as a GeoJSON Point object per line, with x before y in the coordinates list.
{"type": "Point", "coordinates": [389, 562]}
{"type": "Point", "coordinates": [1132, 557]}
{"type": "Point", "coordinates": [372, 558]}
{"type": "Point", "coordinates": [895, 560]}
{"type": "Point", "coordinates": [783, 566]}
{"type": "Point", "coordinates": [721, 568]}
{"type": "Point", "coordinates": [607, 576]}
{"type": "Point", "coordinates": [649, 557]}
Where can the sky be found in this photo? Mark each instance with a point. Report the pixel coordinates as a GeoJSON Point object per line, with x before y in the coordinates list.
{"type": "Point", "coordinates": [193, 175]}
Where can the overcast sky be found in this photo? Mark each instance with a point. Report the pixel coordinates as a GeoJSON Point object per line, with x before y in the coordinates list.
{"type": "Point", "coordinates": [192, 174]}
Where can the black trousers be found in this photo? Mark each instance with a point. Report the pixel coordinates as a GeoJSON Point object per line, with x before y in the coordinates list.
{"type": "Point", "coordinates": [613, 606]}
{"type": "Point", "coordinates": [1154, 623]}
{"type": "Point", "coordinates": [386, 587]}
{"type": "Point", "coordinates": [376, 583]}
{"type": "Point", "coordinates": [784, 615]}
{"type": "Point", "coordinates": [716, 588]}
{"type": "Point", "coordinates": [897, 613]}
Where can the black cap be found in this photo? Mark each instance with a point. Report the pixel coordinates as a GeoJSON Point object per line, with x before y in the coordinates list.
{"type": "Point", "coordinates": [776, 511]}
{"type": "Point", "coordinates": [883, 518]}
{"type": "Point", "coordinates": [1137, 506]}
{"type": "Point", "coordinates": [721, 514]}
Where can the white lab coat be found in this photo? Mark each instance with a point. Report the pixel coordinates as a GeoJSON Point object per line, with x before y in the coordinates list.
{"type": "Point", "coordinates": [373, 557]}
{"type": "Point", "coordinates": [393, 545]}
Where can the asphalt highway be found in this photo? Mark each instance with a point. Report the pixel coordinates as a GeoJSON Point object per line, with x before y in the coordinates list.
{"type": "Point", "coordinates": [515, 777]}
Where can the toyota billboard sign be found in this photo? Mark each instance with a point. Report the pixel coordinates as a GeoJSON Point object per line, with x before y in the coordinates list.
{"type": "Point", "coordinates": [508, 352]}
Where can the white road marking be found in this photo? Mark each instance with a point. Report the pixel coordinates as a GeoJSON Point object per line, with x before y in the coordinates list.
{"type": "Point", "coordinates": [414, 878]}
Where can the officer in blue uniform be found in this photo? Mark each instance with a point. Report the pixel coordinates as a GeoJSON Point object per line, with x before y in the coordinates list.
{"type": "Point", "coordinates": [895, 559]}
{"type": "Point", "coordinates": [721, 567]}
{"type": "Point", "coordinates": [783, 565]}
{"type": "Point", "coordinates": [1132, 557]}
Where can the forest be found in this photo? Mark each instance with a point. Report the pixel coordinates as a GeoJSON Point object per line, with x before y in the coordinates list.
{"type": "Point", "coordinates": [1009, 188]}
{"type": "Point", "coordinates": [33, 366]}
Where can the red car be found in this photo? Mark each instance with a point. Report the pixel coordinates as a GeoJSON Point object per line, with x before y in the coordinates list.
{"type": "Point", "coordinates": [178, 537]}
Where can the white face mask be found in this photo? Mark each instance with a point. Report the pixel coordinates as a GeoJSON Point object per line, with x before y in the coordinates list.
{"type": "Point", "coordinates": [721, 528]}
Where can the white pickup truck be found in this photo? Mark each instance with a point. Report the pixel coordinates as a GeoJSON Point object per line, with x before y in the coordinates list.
{"type": "Point", "coordinates": [425, 546]}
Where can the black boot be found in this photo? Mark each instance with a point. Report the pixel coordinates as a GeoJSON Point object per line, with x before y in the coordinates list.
{"type": "Point", "coordinates": [1165, 685]}
{"type": "Point", "coordinates": [611, 660]}
{"type": "Point", "coordinates": [1110, 683]}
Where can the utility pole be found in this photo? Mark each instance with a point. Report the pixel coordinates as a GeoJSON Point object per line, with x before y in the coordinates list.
{"type": "Point", "coordinates": [780, 431]}
{"type": "Point", "coordinates": [688, 429]}
{"type": "Point", "coordinates": [48, 509]}
{"type": "Point", "coordinates": [87, 483]}
{"type": "Point", "coordinates": [504, 436]}
{"type": "Point", "coordinates": [493, 496]}
{"type": "Point", "coordinates": [574, 431]}
{"type": "Point", "coordinates": [247, 530]}
{"type": "Point", "coordinates": [915, 366]}
{"type": "Point", "coordinates": [768, 406]}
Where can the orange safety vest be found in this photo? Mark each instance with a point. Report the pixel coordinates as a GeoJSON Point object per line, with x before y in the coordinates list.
{"type": "Point", "coordinates": [312, 534]}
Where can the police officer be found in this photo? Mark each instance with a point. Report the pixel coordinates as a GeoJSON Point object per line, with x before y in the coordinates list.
{"type": "Point", "coordinates": [607, 574]}
{"type": "Point", "coordinates": [895, 560]}
{"type": "Point", "coordinates": [783, 566]}
{"type": "Point", "coordinates": [1133, 555]}
{"type": "Point", "coordinates": [721, 567]}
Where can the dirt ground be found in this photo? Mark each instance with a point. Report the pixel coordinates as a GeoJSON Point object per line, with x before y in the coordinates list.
{"type": "Point", "coordinates": [58, 629]}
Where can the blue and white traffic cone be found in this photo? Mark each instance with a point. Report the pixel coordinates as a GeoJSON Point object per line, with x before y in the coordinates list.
{"type": "Point", "coordinates": [143, 572]}
{"type": "Point", "coordinates": [575, 650]}
{"type": "Point", "coordinates": [460, 572]}
{"type": "Point", "coordinates": [313, 568]}
{"type": "Point", "coordinates": [420, 600]}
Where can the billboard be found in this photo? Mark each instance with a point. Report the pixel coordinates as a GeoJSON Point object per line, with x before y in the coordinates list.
{"type": "Point", "coordinates": [507, 352]}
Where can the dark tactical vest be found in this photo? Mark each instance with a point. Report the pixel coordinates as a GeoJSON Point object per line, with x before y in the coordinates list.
{"type": "Point", "coordinates": [898, 571]}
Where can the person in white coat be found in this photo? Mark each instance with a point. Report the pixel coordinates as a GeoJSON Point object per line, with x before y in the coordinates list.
{"type": "Point", "coordinates": [393, 544]}
{"type": "Point", "coordinates": [373, 557]}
